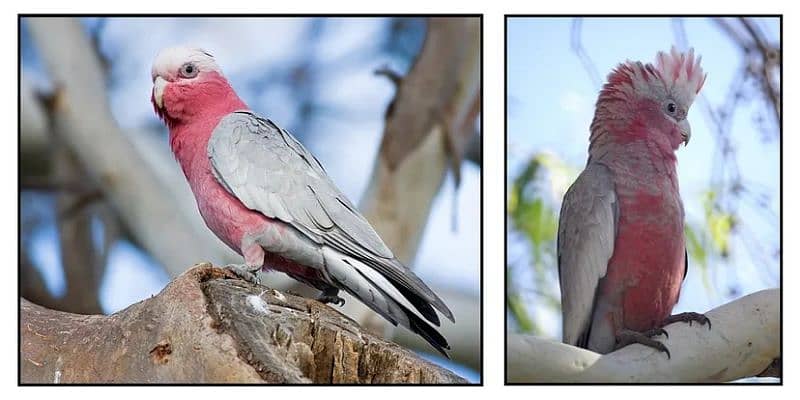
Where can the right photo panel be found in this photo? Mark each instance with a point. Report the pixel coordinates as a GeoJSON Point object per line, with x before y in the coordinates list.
{"type": "Point", "coordinates": [643, 199]}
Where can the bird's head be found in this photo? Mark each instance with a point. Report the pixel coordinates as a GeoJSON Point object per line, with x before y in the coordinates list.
{"type": "Point", "coordinates": [652, 99]}
{"type": "Point", "coordinates": [188, 83]}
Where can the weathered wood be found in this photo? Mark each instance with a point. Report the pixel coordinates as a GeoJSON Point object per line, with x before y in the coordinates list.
{"type": "Point", "coordinates": [206, 327]}
{"type": "Point", "coordinates": [744, 339]}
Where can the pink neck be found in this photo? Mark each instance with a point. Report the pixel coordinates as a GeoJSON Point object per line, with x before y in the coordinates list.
{"type": "Point", "coordinates": [190, 128]}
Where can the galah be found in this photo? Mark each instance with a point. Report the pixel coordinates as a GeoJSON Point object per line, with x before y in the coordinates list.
{"type": "Point", "coordinates": [621, 248]}
{"type": "Point", "coordinates": [269, 199]}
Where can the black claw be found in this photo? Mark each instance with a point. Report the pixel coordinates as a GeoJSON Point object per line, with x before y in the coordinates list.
{"type": "Point", "coordinates": [330, 295]}
{"type": "Point", "coordinates": [627, 337]}
{"type": "Point", "coordinates": [656, 332]}
{"type": "Point", "coordinates": [661, 347]}
{"type": "Point", "coordinates": [328, 299]}
{"type": "Point", "coordinates": [689, 317]}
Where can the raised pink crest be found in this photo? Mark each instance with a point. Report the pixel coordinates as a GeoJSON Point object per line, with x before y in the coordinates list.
{"type": "Point", "coordinates": [681, 70]}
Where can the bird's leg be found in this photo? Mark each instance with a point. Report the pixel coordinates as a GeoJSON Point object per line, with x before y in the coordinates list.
{"type": "Point", "coordinates": [245, 272]}
{"type": "Point", "coordinates": [627, 337]}
{"type": "Point", "coordinates": [330, 295]}
{"type": "Point", "coordinates": [253, 261]}
{"type": "Point", "coordinates": [688, 317]}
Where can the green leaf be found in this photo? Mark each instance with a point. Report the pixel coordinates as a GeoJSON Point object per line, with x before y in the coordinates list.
{"type": "Point", "coordinates": [520, 314]}
{"type": "Point", "coordinates": [719, 225]}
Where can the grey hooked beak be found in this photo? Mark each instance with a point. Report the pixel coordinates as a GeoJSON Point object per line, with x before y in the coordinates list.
{"type": "Point", "coordinates": [159, 84]}
{"type": "Point", "coordinates": [686, 131]}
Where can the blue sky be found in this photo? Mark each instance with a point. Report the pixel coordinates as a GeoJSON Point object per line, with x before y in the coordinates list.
{"type": "Point", "coordinates": [346, 142]}
{"type": "Point", "coordinates": [551, 102]}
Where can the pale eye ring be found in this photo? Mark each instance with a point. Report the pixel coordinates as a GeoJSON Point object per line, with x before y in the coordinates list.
{"type": "Point", "coordinates": [671, 108]}
{"type": "Point", "coordinates": [189, 70]}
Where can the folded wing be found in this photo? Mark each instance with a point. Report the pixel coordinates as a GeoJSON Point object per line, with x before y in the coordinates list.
{"type": "Point", "coordinates": [586, 234]}
{"type": "Point", "coordinates": [271, 172]}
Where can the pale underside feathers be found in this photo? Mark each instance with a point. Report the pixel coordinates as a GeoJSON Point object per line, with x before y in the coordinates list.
{"type": "Point", "coordinates": [269, 171]}
{"type": "Point", "coordinates": [586, 234]}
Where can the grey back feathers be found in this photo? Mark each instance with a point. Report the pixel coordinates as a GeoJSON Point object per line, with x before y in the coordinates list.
{"type": "Point", "coordinates": [271, 172]}
{"type": "Point", "coordinates": [586, 233]}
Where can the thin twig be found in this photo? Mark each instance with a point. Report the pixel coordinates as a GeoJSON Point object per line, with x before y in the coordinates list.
{"type": "Point", "coordinates": [577, 47]}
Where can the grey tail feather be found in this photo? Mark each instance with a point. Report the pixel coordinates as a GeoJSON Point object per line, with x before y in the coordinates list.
{"type": "Point", "coordinates": [420, 302]}
{"type": "Point", "coordinates": [429, 333]}
{"type": "Point", "coordinates": [416, 324]}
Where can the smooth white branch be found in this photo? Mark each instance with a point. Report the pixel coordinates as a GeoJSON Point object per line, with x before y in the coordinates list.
{"type": "Point", "coordinates": [743, 340]}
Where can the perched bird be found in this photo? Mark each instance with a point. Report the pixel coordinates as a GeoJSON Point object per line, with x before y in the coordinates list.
{"type": "Point", "coordinates": [621, 247]}
{"type": "Point", "coordinates": [268, 198]}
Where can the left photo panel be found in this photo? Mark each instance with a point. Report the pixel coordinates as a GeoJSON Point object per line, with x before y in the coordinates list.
{"type": "Point", "coordinates": [250, 199]}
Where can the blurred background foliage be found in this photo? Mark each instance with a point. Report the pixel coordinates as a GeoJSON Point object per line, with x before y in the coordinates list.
{"type": "Point", "coordinates": [732, 221]}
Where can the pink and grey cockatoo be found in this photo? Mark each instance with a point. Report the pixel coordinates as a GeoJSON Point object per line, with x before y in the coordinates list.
{"type": "Point", "coordinates": [621, 250]}
{"type": "Point", "coordinates": [268, 198]}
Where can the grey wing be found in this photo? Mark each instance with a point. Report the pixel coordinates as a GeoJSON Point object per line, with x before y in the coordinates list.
{"type": "Point", "coordinates": [586, 234]}
{"type": "Point", "coordinates": [269, 171]}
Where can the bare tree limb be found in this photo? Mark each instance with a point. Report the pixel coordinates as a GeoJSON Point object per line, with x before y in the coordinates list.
{"type": "Point", "coordinates": [34, 130]}
{"type": "Point", "coordinates": [744, 340]}
{"type": "Point", "coordinates": [81, 260]}
{"type": "Point", "coordinates": [429, 124]}
{"type": "Point", "coordinates": [436, 104]}
{"type": "Point", "coordinates": [204, 328]}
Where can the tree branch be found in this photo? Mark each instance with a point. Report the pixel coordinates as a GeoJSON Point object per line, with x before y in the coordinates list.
{"type": "Point", "coordinates": [205, 327]}
{"type": "Point", "coordinates": [34, 132]}
{"type": "Point", "coordinates": [83, 263]}
{"type": "Point", "coordinates": [429, 124]}
{"type": "Point", "coordinates": [744, 340]}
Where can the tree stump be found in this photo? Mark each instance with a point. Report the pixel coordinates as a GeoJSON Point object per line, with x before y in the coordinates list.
{"type": "Point", "coordinates": [209, 327]}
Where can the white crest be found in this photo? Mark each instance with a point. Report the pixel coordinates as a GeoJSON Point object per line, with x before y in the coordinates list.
{"type": "Point", "coordinates": [169, 61]}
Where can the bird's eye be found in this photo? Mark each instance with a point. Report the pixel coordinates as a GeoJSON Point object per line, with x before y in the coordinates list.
{"type": "Point", "coordinates": [189, 70]}
{"type": "Point", "coordinates": [672, 108]}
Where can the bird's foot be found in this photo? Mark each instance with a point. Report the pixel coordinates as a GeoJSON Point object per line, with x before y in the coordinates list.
{"type": "Point", "coordinates": [245, 272]}
{"type": "Point", "coordinates": [628, 337]}
{"type": "Point", "coordinates": [330, 296]}
{"type": "Point", "coordinates": [688, 317]}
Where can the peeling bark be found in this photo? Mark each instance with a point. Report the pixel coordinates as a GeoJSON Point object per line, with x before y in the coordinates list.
{"type": "Point", "coordinates": [207, 328]}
